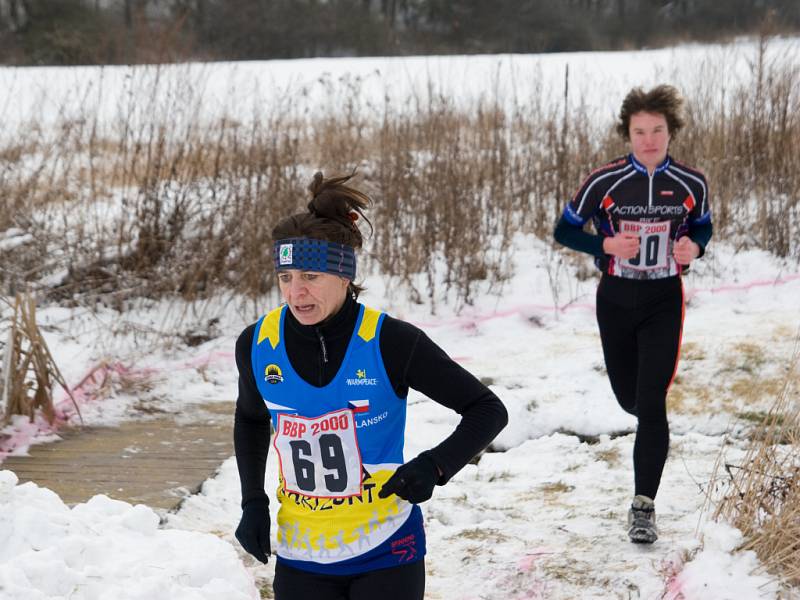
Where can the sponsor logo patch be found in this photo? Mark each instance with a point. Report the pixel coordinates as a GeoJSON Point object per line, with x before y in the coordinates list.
{"type": "Point", "coordinates": [273, 374]}
{"type": "Point", "coordinates": [285, 254]}
{"type": "Point", "coordinates": [361, 379]}
{"type": "Point", "coordinates": [405, 548]}
{"type": "Point", "coordinates": [650, 211]}
{"type": "Point", "coordinates": [370, 421]}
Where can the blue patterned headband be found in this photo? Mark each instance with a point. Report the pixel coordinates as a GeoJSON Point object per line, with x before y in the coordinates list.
{"type": "Point", "coordinates": [307, 254]}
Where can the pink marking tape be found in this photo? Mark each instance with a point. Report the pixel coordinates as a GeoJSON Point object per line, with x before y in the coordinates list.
{"type": "Point", "coordinates": [527, 310]}
{"type": "Point", "coordinates": [672, 567]}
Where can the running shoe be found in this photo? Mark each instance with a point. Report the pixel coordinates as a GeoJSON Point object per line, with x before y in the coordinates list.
{"type": "Point", "coordinates": [642, 521]}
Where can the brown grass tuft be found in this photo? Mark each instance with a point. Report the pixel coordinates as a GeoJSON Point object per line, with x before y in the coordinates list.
{"type": "Point", "coordinates": [29, 371]}
{"type": "Point", "coordinates": [763, 492]}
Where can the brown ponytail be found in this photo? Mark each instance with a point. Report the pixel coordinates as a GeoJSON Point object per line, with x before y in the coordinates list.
{"type": "Point", "coordinates": [333, 214]}
{"type": "Point", "coordinates": [331, 199]}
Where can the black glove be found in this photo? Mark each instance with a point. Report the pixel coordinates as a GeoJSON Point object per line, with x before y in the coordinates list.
{"type": "Point", "coordinates": [253, 529]}
{"type": "Point", "coordinates": [413, 481]}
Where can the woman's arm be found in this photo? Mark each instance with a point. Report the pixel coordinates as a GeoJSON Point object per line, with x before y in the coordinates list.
{"type": "Point", "coordinates": [251, 426]}
{"type": "Point", "coordinates": [413, 360]}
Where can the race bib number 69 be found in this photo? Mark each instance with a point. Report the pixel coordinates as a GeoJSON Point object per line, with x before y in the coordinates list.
{"type": "Point", "coordinates": [319, 456]}
{"type": "Point", "coordinates": [654, 244]}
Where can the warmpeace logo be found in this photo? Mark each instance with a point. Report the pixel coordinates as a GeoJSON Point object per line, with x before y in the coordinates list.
{"type": "Point", "coordinates": [362, 379]}
{"type": "Point", "coordinates": [273, 374]}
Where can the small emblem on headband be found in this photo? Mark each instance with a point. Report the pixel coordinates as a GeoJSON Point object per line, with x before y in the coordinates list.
{"type": "Point", "coordinates": [285, 253]}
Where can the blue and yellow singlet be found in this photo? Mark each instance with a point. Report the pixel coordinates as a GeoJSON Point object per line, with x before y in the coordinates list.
{"type": "Point", "coordinates": [336, 446]}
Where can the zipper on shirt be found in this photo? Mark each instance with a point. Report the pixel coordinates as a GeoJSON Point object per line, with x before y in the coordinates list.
{"type": "Point", "coordinates": [322, 345]}
{"type": "Point", "coordinates": [650, 194]}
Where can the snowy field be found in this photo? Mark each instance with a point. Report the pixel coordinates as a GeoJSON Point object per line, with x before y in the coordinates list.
{"type": "Point", "coordinates": [540, 516]}
{"type": "Point", "coordinates": [119, 96]}
{"type": "Point", "coordinates": [542, 513]}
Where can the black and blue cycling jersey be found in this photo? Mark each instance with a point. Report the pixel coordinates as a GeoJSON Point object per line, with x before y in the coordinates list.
{"type": "Point", "coordinates": [659, 207]}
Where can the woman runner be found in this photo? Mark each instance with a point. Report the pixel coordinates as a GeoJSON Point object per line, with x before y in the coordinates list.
{"type": "Point", "coordinates": [332, 375]}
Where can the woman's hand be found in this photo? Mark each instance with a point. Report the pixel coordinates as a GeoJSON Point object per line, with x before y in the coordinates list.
{"type": "Point", "coordinates": [253, 529]}
{"type": "Point", "coordinates": [685, 251]}
{"type": "Point", "coordinates": [622, 245]}
{"type": "Point", "coordinates": [413, 481]}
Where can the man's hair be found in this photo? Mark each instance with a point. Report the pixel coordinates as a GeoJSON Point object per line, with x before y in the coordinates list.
{"type": "Point", "coordinates": [663, 100]}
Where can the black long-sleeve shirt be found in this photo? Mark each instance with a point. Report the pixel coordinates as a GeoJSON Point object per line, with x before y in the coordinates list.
{"type": "Point", "coordinates": [411, 360]}
{"type": "Point", "coordinates": [621, 194]}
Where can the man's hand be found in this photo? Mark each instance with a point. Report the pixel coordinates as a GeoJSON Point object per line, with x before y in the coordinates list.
{"type": "Point", "coordinates": [622, 245]}
{"type": "Point", "coordinates": [685, 251]}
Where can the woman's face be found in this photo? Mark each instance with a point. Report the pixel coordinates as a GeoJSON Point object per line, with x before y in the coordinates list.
{"type": "Point", "coordinates": [312, 297]}
{"type": "Point", "coordinates": [649, 135]}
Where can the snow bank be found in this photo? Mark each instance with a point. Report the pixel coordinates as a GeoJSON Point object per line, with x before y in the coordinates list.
{"type": "Point", "coordinates": [718, 571]}
{"type": "Point", "coordinates": [107, 549]}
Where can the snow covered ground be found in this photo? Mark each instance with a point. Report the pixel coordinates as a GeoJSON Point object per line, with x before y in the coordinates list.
{"type": "Point", "coordinates": [192, 94]}
{"type": "Point", "coordinates": [541, 515]}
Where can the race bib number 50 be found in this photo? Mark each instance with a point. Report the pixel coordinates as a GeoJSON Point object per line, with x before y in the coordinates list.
{"type": "Point", "coordinates": [319, 456]}
{"type": "Point", "coordinates": [654, 244]}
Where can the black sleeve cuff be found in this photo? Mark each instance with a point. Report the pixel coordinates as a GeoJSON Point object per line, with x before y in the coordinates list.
{"type": "Point", "coordinates": [575, 237]}
{"type": "Point", "coordinates": [700, 235]}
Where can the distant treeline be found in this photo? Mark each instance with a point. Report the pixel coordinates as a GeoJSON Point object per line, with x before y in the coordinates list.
{"type": "Point", "coordinates": [68, 32]}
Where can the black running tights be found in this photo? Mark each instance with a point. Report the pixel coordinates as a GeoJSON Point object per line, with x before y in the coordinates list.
{"type": "Point", "coordinates": [406, 582]}
{"type": "Point", "coordinates": [640, 327]}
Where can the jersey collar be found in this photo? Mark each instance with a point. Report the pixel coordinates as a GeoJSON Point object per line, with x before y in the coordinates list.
{"type": "Point", "coordinates": [340, 324]}
{"type": "Point", "coordinates": [642, 169]}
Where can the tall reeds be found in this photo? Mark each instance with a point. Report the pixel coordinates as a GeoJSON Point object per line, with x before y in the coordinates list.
{"type": "Point", "coordinates": [28, 370]}
{"type": "Point", "coordinates": [762, 494]}
{"type": "Point", "coordinates": [162, 202]}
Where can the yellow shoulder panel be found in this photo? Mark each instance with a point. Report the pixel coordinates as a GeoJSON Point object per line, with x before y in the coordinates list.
{"type": "Point", "coordinates": [369, 324]}
{"type": "Point", "coordinates": [271, 327]}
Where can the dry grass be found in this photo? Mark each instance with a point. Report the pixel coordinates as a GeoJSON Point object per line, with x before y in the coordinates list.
{"type": "Point", "coordinates": [763, 492]}
{"type": "Point", "coordinates": [692, 351]}
{"type": "Point", "coordinates": [160, 204]}
{"type": "Point", "coordinates": [551, 490]}
{"type": "Point", "coordinates": [755, 390]}
{"type": "Point", "coordinates": [743, 357]}
{"type": "Point", "coordinates": [692, 397]}
{"type": "Point", "coordinates": [29, 371]}
{"type": "Point", "coordinates": [481, 535]}
{"type": "Point", "coordinates": [611, 456]}
{"type": "Point", "coordinates": [749, 376]}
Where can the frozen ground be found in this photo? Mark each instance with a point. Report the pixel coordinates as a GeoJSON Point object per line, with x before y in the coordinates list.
{"type": "Point", "coordinates": [542, 513]}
